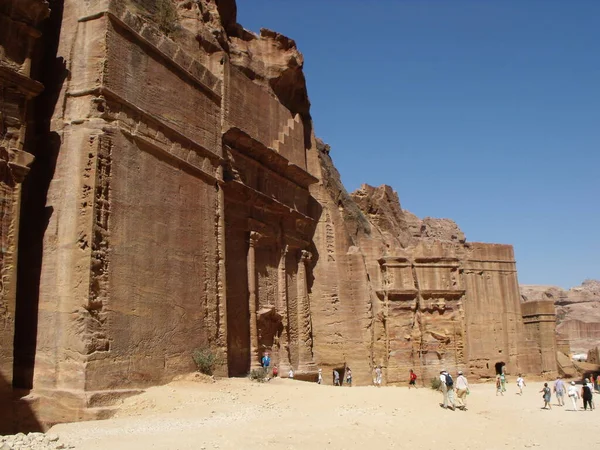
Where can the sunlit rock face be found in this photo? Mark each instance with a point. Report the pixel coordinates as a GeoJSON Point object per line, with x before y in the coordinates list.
{"type": "Point", "coordinates": [180, 200]}
{"type": "Point", "coordinates": [577, 313]}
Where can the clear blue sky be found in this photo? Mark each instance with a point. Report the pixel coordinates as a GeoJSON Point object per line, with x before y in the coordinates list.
{"type": "Point", "coordinates": [483, 111]}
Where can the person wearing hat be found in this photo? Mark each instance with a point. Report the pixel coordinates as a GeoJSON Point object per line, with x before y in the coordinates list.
{"type": "Point", "coordinates": [447, 388]}
{"type": "Point", "coordinates": [462, 389]}
{"type": "Point", "coordinates": [573, 395]}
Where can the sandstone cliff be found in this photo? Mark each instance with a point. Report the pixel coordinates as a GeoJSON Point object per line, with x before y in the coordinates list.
{"type": "Point", "coordinates": [577, 312]}
{"type": "Point", "coordinates": [180, 200]}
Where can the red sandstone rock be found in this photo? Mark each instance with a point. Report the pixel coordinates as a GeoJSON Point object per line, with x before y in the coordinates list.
{"type": "Point", "coordinates": [182, 201]}
{"type": "Point", "coordinates": [577, 312]}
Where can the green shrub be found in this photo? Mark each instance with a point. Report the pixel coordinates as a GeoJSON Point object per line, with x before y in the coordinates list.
{"type": "Point", "coordinates": [435, 383]}
{"type": "Point", "coordinates": [259, 375]}
{"type": "Point", "coordinates": [206, 360]}
{"type": "Point", "coordinates": [166, 16]}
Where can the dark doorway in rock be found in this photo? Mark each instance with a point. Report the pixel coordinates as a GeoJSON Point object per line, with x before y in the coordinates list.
{"type": "Point", "coordinates": [499, 366]}
{"type": "Point", "coordinates": [238, 312]}
{"type": "Point", "coordinates": [342, 372]}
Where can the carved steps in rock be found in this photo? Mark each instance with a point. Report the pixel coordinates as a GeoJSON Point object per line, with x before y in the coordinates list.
{"type": "Point", "coordinates": [286, 132]}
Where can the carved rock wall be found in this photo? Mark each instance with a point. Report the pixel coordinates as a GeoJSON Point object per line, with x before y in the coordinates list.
{"type": "Point", "coordinates": [184, 202]}
{"type": "Point", "coordinates": [577, 313]}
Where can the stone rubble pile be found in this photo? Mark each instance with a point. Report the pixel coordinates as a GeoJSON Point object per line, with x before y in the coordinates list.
{"type": "Point", "coordinates": [32, 441]}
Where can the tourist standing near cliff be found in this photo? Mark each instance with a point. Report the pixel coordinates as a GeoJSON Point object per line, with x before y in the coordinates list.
{"type": "Point", "coordinates": [559, 390]}
{"type": "Point", "coordinates": [336, 378]}
{"type": "Point", "coordinates": [412, 382]}
{"type": "Point", "coordinates": [349, 377]}
{"type": "Point", "coordinates": [520, 384]}
{"type": "Point", "coordinates": [499, 386]}
{"type": "Point", "coordinates": [378, 376]}
{"type": "Point", "coordinates": [266, 362]}
{"type": "Point", "coordinates": [320, 377]}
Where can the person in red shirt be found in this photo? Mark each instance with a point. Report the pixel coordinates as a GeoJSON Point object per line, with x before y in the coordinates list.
{"type": "Point", "coordinates": [413, 379]}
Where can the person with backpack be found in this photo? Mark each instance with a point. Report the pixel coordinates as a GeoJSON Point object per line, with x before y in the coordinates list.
{"type": "Point", "coordinates": [447, 388]}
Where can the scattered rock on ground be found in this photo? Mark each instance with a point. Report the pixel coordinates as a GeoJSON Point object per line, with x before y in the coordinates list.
{"type": "Point", "coordinates": [32, 441]}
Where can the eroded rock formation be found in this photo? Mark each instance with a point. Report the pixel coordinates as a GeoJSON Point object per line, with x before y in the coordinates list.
{"type": "Point", "coordinates": [180, 200]}
{"type": "Point", "coordinates": [577, 313]}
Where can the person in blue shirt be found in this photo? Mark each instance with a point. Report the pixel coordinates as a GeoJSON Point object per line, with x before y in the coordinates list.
{"type": "Point", "coordinates": [266, 361]}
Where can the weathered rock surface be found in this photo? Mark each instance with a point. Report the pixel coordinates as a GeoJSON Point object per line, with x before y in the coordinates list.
{"type": "Point", "coordinates": [180, 200]}
{"type": "Point", "coordinates": [19, 20]}
{"type": "Point", "coordinates": [577, 312]}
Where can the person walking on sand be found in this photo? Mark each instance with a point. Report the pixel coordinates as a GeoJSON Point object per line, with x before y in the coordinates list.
{"type": "Point", "coordinates": [336, 378]}
{"type": "Point", "coordinates": [559, 390]}
{"type": "Point", "coordinates": [412, 382]}
{"type": "Point", "coordinates": [291, 374]}
{"type": "Point", "coordinates": [447, 388]}
{"type": "Point", "coordinates": [503, 380]}
{"type": "Point", "coordinates": [586, 395]}
{"type": "Point", "coordinates": [320, 377]}
{"type": "Point", "coordinates": [349, 377]}
{"type": "Point", "coordinates": [378, 376]}
{"type": "Point", "coordinates": [547, 394]}
{"type": "Point", "coordinates": [591, 386]}
{"type": "Point", "coordinates": [520, 384]}
{"type": "Point", "coordinates": [462, 389]}
{"type": "Point", "coordinates": [498, 386]}
{"type": "Point", "coordinates": [573, 395]}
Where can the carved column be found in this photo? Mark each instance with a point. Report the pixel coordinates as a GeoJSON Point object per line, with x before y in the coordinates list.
{"type": "Point", "coordinates": [305, 355]}
{"type": "Point", "coordinates": [281, 308]}
{"type": "Point", "coordinates": [251, 264]}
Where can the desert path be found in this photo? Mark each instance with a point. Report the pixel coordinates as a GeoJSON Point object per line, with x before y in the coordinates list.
{"type": "Point", "coordinates": [286, 414]}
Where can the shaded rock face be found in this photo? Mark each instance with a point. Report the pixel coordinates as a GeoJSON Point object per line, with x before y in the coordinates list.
{"type": "Point", "coordinates": [577, 313]}
{"type": "Point", "coordinates": [181, 201]}
{"type": "Point", "coordinates": [19, 21]}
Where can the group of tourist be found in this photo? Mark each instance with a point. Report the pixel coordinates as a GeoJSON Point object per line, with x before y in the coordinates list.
{"type": "Point", "coordinates": [448, 387]}
{"type": "Point", "coordinates": [586, 393]}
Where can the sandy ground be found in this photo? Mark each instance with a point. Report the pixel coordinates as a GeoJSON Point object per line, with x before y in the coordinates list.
{"type": "Point", "coordinates": [287, 414]}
